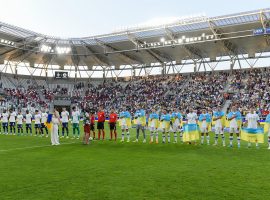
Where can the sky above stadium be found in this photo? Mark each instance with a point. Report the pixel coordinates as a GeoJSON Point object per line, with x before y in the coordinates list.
{"type": "Point", "coordinates": [80, 18]}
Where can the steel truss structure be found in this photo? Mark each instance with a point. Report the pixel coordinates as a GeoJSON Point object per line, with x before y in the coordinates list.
{"type": "Point", "coordinates": [196, 44]}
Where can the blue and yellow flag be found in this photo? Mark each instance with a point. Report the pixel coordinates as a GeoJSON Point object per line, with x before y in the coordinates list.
{"type": "Point", "coordinates": [49, 121]}
{"type": "Point", "coordinates": [252, 135]}
{"type": "Point", "coordinates": [191, 132]}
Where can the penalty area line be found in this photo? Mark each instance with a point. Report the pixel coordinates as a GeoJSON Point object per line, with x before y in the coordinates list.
{"type": "Point", "coordinates": [35, 147]}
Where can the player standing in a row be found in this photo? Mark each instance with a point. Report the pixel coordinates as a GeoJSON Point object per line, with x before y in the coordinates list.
{"type": "Point", "coordinates": [140, 122]}
{"type": "Point", "coordinates": [5, 121]}
{"type": "Point", "coordinates": [235, 119]}
{"type": "Point", "coordinates": [176, 119]}
{"type": "Point", "coordinates": [252, 121]}
{"type": "Point", "coordinates": [218, 118]}
{"type": "Point", "coordinates": [28, 121]}
{"type": "Point", "coordinates": [20, 123]}
{"type": "Point", "coordinates": [125, 123]}
{"type": "Point", "coordinates": [165, 126]}
{"type": "Point", "coordinates": [44, 117]}
{"type": "Point", "coordinates": [205, 120]}
{"type": "Point", "coordinates": [112, 123]}
{"type": "Point", "coordinates": [153, 123]}
{"type": "Point", "coordinates": [267, 121]}
{"type": "Point", "coordinates": [37, 123]}
{"type": "Point", "coordinates": [75, 122]}
{"type": "Point", "coordinates": [100, 124]}
{"type": "Point", "coordinates": [12, 122]}
{"type": "Point", "coordinates": [65, 116]}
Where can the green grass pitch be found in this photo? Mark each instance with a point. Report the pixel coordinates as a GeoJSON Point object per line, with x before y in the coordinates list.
{"type": "Point", "coordinates": [31, 169]}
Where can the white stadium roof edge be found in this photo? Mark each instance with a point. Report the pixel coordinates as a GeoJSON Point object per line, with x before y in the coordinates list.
{"type": "Point", "coordinates": [191, 44]}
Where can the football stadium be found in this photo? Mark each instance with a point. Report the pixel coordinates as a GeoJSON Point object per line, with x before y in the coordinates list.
{"type": "Point", "coordinates": [173, 109]}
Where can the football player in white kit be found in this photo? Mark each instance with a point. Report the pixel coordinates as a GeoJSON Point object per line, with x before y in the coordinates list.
{"type": "Point", "coordinates": [234, 118]}
{"type": "Point", "coordinates": [44, 117]}
{"type": "Point", "coordinates": [176, 118]}
{"type": "Point", "coordinates": [125, 123]}
{"type": "Point", "coordinates": [153, 125]}
{"type": "Point", "coordinates": [218, 119]}
{"type": "Point", "coordinates": [267, 120]}
{"type": "Point", "coordinates": [20, 123]}
{"type": "Point", "coordinates": [252, 121]}
{"type": "Point", "coordinates": [37, 123]}
{"type": "Point", "coordinates": [65, 116]}
{"type": "Point", "coordinates": [204, 119]}
{"type": "Point", "coordinates": [12, 121]}
{"type": "Point", "coordinates": [5, 121]}
{"type": "Point", "coordinates": [28, 122]}
{"type": "Point", "coordinates": [192, 119]}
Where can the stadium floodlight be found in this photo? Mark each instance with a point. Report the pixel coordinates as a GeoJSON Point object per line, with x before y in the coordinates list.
{"type": "Point", "coordinates": [45, 48]}
{"type": "Point", "coordinates": [162, 40]}
{"type": "Point", "coordinates": [63, 50]}
{"type": "Point", "coordinates": [8, 42]}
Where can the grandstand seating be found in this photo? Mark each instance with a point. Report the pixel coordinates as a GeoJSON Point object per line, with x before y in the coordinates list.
{"type": "Point", "coordinates": [242, 87]}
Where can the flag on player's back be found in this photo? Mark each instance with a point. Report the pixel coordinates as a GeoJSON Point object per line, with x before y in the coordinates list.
{"type": "Point", "coordinates": [252, 135]}
{"type": "Point", "coordinates": [49, 121]}
{"type": "Point", "coordinates": [191, 132]}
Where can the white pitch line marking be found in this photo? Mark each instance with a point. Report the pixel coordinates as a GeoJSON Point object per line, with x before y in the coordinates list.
{"type": "Point", "coordinates": [33, 147]}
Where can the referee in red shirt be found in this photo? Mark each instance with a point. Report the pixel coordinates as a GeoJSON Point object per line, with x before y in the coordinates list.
{"type": "Point", "coordinates": [100, 124]}
{"type": "Point", "coordinates": [112, 123]}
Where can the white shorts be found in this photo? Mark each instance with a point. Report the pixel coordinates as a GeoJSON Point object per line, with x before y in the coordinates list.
{"type": "Point", "coordinates": [175, 129]}
{"type": "Point", "coordinates": [152, 129]}
{"type": "Point", "coordinates": [218, 130]}
{"type": "Point", "coordinates": [234, 129]}
{"type": "Point", "coordinates": [124, 127]}
{"type": "Point", "coordinates": [204, 130]}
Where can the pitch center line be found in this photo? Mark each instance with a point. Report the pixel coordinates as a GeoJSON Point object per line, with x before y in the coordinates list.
{"type": "Point", "coordinates": [33, 147]}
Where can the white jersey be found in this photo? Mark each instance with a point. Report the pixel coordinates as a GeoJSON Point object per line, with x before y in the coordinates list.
{"type": "Point", "coordinates": [233, 122]}
{"type": "Point", "coordinates": [5, 117]}
{"type": "Point", "coordinates": [37, 118]}
{"type": "Point", "coordinates": [192, 117]}
{"type": "Point", "coordinates": [28, 118]}
{"type": "Point", "coordinates": [123, 121]}
{"type": "Point", "coordinates": [20, 119]}
{"type": "Point", "coordinates": [75, 117]}
{"type": "Point", "coordinates": [44, 117]}
{"type": "Point", "coordinates": [65, 116]}
{"type": "Point", "coordinates": [252, 120]}
{"type": "Point", "coordinates": [12, 117]}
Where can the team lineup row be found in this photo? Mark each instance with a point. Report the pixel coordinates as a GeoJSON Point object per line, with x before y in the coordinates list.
{"type": "Point", "coordinates": [195, 127]}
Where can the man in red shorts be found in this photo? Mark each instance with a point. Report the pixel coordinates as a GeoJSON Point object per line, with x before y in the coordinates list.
{"type": "Point", "coordinates": [112, 123]}
{"type": "Point", "coordinates": [100, 124]}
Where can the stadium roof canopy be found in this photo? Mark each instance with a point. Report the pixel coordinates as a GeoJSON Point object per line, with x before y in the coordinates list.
{"type": "Point", "coordinates": [197, 42]}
